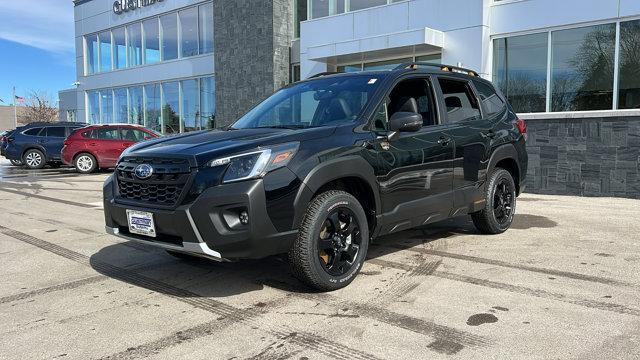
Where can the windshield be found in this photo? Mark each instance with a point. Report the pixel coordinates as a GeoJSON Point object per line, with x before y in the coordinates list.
{"type": "Point", "coordinates": [321, 102]}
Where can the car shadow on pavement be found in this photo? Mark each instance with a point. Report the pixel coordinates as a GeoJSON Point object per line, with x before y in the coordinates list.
{"type": "Point", "coordinates": [154, 269]}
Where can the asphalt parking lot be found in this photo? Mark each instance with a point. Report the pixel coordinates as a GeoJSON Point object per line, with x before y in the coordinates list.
{"type": "Point", "coordinates": [563, 283]}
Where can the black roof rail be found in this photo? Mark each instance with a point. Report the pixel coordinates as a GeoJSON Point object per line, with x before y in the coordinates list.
{"type": "Point", "coordinates": [450, 68]}
{"type": "Point", "coordinates": [324, 74]}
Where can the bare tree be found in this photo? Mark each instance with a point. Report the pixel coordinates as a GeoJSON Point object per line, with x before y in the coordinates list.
{"type": "Point", "coordinates": [40, 107]}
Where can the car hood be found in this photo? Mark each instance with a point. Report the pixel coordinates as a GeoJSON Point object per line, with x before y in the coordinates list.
{"type": "Point", "coordinates": [202, 146]}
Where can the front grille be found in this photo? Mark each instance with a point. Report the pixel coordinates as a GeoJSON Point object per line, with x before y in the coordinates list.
{"type": "Point", "coordinates": [163, 189]}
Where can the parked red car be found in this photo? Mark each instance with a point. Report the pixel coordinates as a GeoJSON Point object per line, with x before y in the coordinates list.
{"type": "Point", "coordinates": [99, 146]}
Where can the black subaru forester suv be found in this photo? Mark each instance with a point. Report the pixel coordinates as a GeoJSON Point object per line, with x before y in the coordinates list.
{"type": "Point", "coordinates": [325, 165]}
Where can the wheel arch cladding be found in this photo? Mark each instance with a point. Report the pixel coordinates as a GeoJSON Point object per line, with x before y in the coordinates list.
{"type": "Point", "coordinates": [351, 174]}
{"type": "Point", "coordinates": [505, 157]}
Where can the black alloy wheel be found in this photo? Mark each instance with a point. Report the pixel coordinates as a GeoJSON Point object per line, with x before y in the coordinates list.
{"type": "Point", "coordinates": [332, 241]}
{"type": "Point", "coordinates": [503, 201]}
{"type": "Point", "coordinates": [339, 241]}
{"type": "Point", "coordinates": [500, 207]}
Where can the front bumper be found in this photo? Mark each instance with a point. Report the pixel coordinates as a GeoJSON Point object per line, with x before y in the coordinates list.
{"type": "Point", "coordinates": [208, 226]}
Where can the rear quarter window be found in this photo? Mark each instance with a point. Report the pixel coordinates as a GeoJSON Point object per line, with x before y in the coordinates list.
{"type": "Point", "coordinates": [491, 101]}
{"type": "Point", "coordinates": [33, 131]}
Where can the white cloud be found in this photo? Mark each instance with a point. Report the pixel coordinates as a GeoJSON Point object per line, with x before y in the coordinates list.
{"type": "Point", "coordinates": [44, 24]}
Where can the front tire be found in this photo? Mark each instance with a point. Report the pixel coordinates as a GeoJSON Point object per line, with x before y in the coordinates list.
{"type": "Point", "coordinates": [500, 208]}
{"type": "Point", "coordinates": [332, 242]}
{"type": "Point", "coordinates": [34, 159]}
{"type": "Point", "coordinates": [85, 163]}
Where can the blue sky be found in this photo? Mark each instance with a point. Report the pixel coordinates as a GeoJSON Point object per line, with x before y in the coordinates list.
{"type": "Point", "coordinates": [36, 47]}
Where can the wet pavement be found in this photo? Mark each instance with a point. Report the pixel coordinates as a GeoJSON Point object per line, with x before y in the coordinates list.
{"type": "Point", "coordinates": [562, 283]}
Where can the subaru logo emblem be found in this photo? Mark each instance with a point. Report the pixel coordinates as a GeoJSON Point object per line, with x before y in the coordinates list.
{"type": "Point", "coordinates": [143, 171]}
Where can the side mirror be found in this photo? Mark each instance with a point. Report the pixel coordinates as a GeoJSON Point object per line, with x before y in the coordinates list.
{"type": "Point", "coordinates": [404, 122]}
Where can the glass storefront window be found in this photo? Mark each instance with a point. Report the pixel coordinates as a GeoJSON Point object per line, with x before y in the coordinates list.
{"type": "Point", "coordinates": [93, 102]}
{"type": "Point", "coordinates": [152, 107]}
{"type": "Point", "coordinates": [386, 65]}
{"type": "Point", "coordinates": [119, 48]}
{"type": "Point", "coordinates": [189, 32]}
{"type": "Point", "coordinates": [582, 68]}
{"type": "Point", "coordinates": [169, 30]}
{"type": "Point", "coordinates": [319, 8]}
{"type": "Point", "coordinates": [171, 107]}
{"type": "Point", "coordinates": [190, 104]}
{"type": "Point", "coordinates": [300, 14]}
{"type": "Point", "coordinates": [168, 107]}
{"type": "Point", "coordinates": [207, 119]}
{"type": "Point", "coordinates": [120, 105]}
{"type": "Point", "coordinates": [136, 105]}
{"type": "Point", "coordinates": [106, 107]}
{"type": "Point", "coordinates": [105, 50]}
{"type": "Point", "coordinates": [363, 4]}
{"type": "Point", "coordinates": [151, 41]}
{"type": "Point", "coordinates": [205, 25]}
{"type": "Point", "coordinates": [134, 34]}
{"type": "Point", "coordinates": [435, 58]}
{"type": "Point", "coordinates": [520, 71]}
{"type": "Point", "coordinates": [92, 54]}
{"type": "Point", "coordinates": [349, 68]}
{"type": "Point", "coordinates": [629, 89]}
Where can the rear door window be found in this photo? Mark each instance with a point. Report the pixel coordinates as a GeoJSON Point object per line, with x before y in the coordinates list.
{"type": "Point", "coordinates": [135, 135]}
{"type": "Point", "coordinates": [490, 100]}
{"type": "Point", "coordinates": [56, 131]}
{"type": "Point", "coordinates": [460, 101]}
{"type": "Point", "coordinates": [106, 134]}
{"type": "Point", "coordinates": [33, 131]}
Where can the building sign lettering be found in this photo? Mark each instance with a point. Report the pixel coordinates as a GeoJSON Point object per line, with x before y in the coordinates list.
{"type": "Point", "coordinates": [122, 6]}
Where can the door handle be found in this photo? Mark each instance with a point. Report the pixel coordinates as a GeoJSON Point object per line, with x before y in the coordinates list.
{"type": "Point", "coordinates": [444, 141]}
{"type": "Point", "coordinates": [93, 144]}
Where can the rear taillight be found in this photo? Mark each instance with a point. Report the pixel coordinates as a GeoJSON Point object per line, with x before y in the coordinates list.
{"type": "Point", "coordinates": [522, 127]}
{"type": "Point", "coordinates": [66, 142]}
{"type": "Point", "coordinates": [3, 138]}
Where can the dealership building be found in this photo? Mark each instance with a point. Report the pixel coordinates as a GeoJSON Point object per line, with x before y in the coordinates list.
{"type": "Point", "coordinates": [570, 68]}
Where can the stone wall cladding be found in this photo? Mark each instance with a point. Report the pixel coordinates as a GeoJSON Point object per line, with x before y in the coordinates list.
{"type": "Point", "coordinates": [252, 40]}
{"type": "Point", "coordinates": [586, 157]}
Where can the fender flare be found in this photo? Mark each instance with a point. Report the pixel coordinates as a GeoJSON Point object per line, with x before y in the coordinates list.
{"type": "Point", "coordinates": [506, 151]}
{"type": "Point", "coordinates": [334, 169]}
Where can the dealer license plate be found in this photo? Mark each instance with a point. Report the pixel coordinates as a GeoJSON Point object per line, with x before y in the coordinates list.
{"type": "Point", "coordinates": [141, 223]}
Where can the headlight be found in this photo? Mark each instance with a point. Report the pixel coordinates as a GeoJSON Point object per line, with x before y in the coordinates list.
{"type": "Point", "coordinates": [255, 164]}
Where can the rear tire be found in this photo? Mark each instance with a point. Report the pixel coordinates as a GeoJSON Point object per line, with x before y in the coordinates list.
{"type": "Point", "coordinates": [85, 163]}
{"type": "Point", "coordinates": [332, 242]}
{"type": "Point", "coordinates": [34, 159]}
{"type": "Point", "coordinates": [500, 208]}
{"type": "Point", "coordinates": [16, 162]}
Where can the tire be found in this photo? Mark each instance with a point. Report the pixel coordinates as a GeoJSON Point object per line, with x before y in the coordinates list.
{"type": "Point", "coordinates": [312, 256]}
{"type": "Point", "coordinates": [500, 208]}
{"type": "Point", "coordinates": [16, 162]}
{"type": "Point", "coordinates": [34, 159]}
{"type": "Point", "coordinates": [85, 163]}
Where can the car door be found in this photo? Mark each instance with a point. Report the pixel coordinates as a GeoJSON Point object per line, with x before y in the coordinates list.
{"type": "Point", "coordinates": [107, 144]}
{"type": "Point", "coordinates": [415, 172]}
{"type": "Point", "coordinates": [472, 133]}
{"type": "Point", "coordinates": [54, 140]}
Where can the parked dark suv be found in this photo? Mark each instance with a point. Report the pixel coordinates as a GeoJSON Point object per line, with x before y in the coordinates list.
{"type": "Point", "coordinates": [325, 165]}
{"type": "Point", "coordinates": [39, 143]}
